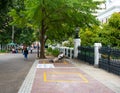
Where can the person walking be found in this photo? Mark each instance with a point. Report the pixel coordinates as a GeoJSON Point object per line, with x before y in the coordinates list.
{"type": "Point", "coordinates": [31, 49]}
{"type": "Point", "coordinates": [25, 53]}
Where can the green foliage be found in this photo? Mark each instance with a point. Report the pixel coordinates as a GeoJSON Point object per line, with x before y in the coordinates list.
{"type": "Point", "coordinates": [114, 21]}
{"type": "Point", "coordinates": [55, 52]}
{"type": "Point", "coordinates": [27, 36]}
{"type": "Point", "coordinates": [110, 36]}
{"type": "Point", "coordinates": [60, 17]}
{"type": "Point", "coordinates": [19, 19]}
{"type": "Point", "coordinates": [5, 28]}
{"type": "Point", "coordinates": [17, 14]}
{"type": "Point", "coordinates": [3, 51]}
{"type": "Point", "coordinates": [5, 36]}
{"type": "Point", "coordinates": [56, 18]}
{"type": "Point", "coordinates": [69, 43]}
{"type": "Point", "coordinates": [52, 52]}
{"type": "Point", "coordinates": [49, 49]}
{"type": "Point", "coordinates": [107, 34]}
{"type": "Point", "coordinates": [110, 32]}
{"type": "Point", "coordinates": [89, 36]}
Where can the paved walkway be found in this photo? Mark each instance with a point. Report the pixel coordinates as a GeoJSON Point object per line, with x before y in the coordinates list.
{"type": "Point", "coordinates": [68, 77]}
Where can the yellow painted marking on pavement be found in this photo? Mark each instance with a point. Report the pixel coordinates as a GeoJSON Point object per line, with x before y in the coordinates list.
{"type": "Point", "coordinates": [64, 72]}
{"type": "Point", "coordinates": [83, 78]}
{"type": "Point", "coordinates": [77, 73]}
{"type": "Point", "coordinates": [44, 62]}
{"type": "Point", "coordinates": [45, 76]}
{"type": "Point", "coordinates": [65, 62]}
{"type": "Point", "coordinates": [69, 81]}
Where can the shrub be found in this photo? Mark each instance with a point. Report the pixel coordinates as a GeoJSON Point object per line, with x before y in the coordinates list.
{"type": "Point", "coordinates": [55, 52]}
{"type": "Point", "coordinates": [49, 49]}
{"type": "Point", "coordinates": [3, 51]}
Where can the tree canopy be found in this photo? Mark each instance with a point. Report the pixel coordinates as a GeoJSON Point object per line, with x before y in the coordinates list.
{"type": "Point", "coordinates": [55, 19]}
{"type": "Point", "coordinates": [110, 33]}
{"type": "Point", "coordinates": [89, 36]}
{"type": "Point", "coordinates": [107, 34]}
{"type": "Point", "coordinates": [4, 21]}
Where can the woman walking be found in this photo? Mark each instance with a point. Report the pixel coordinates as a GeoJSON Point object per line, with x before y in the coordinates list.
{"type": "Point", "coordinates": [25, 52]}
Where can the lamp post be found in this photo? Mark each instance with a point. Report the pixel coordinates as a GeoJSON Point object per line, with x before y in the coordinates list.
{"type": "Point", "coordinates": [76, 32]}
{"type": "Point", "coordinates": [38, 48]}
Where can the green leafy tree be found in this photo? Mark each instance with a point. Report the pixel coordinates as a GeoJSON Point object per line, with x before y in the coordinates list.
{"type": "Point", "coordinates": [114, 21]}
{"type": "Point", "coordinates": [89, 36]}
{"type": "Point", "coordinates": [5, 28]}
{"type": "Point", "coordinates": [110, 32]}
{"type": "Point", "coordinates": [23, 33]}
{"type": "Point", "coordinates": [56, 18]}
{"type": "Point", "coordinates": [69, 43]}
{"type": "Point", "coordinates": [26, 36]}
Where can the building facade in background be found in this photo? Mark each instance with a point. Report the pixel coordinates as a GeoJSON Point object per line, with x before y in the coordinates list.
{"type": "Point", "coordinates": [107, 9]}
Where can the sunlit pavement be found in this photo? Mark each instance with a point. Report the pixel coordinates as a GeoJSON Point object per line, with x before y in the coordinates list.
{"type": "Point", "coordinates": [13, 70]}
{"type": "Point", "coordinates": [64, 77]}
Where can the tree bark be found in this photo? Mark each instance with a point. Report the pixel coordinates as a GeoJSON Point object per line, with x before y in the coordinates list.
{"type": "Point", "coordinates": [42, 52]}
{"type": "Point", "coordinates": [42, 39]}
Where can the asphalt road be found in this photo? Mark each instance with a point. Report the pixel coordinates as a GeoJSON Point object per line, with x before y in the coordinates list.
{"type": "Point", "coordinates": [13, 70]}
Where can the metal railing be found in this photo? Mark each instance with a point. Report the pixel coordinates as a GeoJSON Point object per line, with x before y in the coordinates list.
{"type": "Point", "coordinates": [86, 54]}
{"type": "Point", "coordinates": [110, 59]}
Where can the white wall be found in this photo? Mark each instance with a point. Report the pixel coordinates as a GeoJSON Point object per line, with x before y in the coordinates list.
{"type": "Point", "coordinates": [112, 6]}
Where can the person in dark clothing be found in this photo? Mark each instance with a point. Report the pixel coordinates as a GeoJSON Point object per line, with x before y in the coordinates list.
{"type": "Point", "coordinates": [60, 56]}
{"type": "Point", "coordinates": [25, 52]}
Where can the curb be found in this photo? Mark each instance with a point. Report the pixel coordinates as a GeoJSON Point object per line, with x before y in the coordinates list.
{"type": "Point", "coordinates": [27, 83]}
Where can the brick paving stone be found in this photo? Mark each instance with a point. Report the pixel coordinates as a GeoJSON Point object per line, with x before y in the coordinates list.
{"type": "Point", "coordinates": [69, 77]}
{"type": "Point", "coordinates": [66, 79]}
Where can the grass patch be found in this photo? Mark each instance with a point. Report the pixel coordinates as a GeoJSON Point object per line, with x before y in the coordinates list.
{"type": "Point", "coordinates": [3, 51]}
{"type": "Point", "coordinates": [52, 52]}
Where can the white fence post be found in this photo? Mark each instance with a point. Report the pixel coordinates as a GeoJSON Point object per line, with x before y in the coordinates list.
{"type": "Point", "coordinates": [71, 52]}
{"type": "Point", "coordinates": [77, 43]}
{"type": "Point", "coordinates": [96, 54]}
{"type": "Point", "coordinates": [62, 49]}
{"type": "Point", "coordinates": [67, 51]}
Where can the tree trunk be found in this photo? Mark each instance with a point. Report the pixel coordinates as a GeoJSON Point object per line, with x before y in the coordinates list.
{"type": "Point", "coordinates": [42, 40]}
{"type": "Point", "coordinates": [42, 37]}
{"type": "Point", "coordinates": [0, 46]}
{"type": "Point", "coordinates": [42, 50]}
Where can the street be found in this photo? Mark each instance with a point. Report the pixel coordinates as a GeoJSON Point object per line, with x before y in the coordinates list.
{"type": "Point", "coordinates": [13, 70]}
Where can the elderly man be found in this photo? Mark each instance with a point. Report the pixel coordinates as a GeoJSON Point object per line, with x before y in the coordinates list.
{"type": "Point", "coordinates": [60, 56]}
